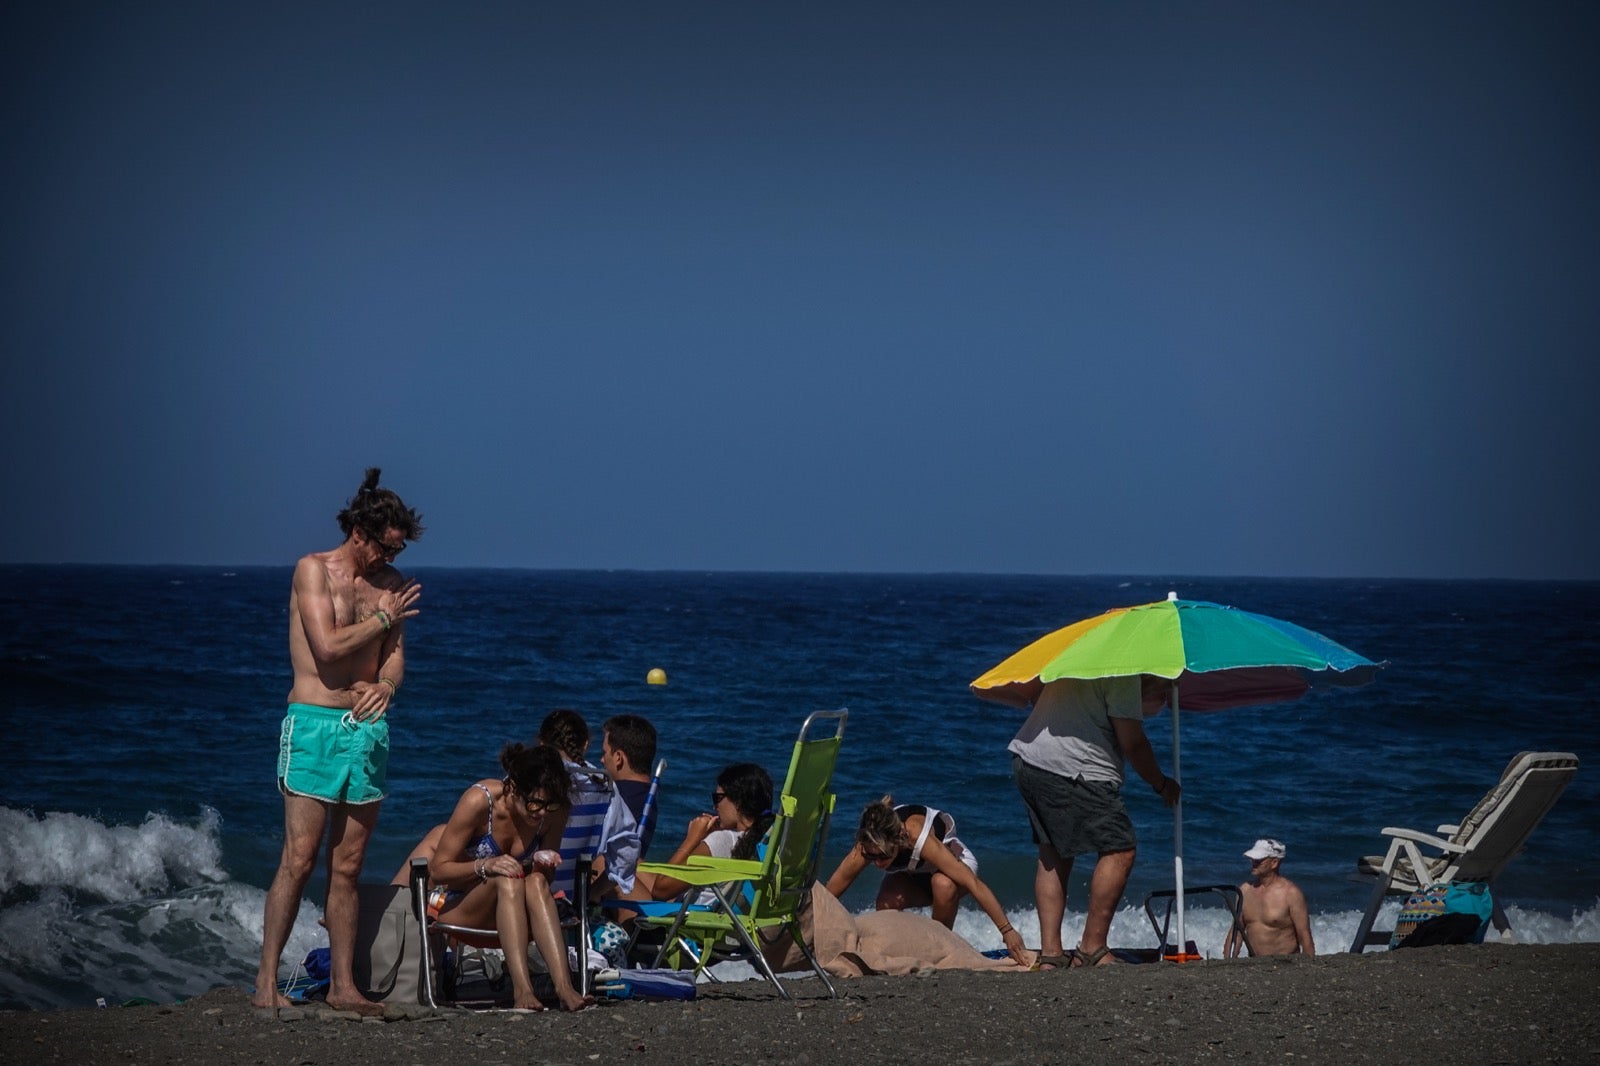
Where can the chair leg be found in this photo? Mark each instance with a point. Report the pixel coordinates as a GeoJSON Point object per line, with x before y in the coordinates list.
{"type": "Point", "coordinates": [1364, 930]}
{"type": "Point", "coordinates": [580, 890]}
{"type": "Point", "coordinates": [419, 903]}
{"type": "Point", "coordinates": [800, 942]}
{"type": "Point", "coordinates": [759, 960]}
{"type": "Point", "coordinates": [667, 943]}
{"type": "Point", "coordinates": [1502, 924]}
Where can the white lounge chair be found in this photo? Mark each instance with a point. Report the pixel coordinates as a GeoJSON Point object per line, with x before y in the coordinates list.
{"type": "Point", "coordinates": [1477, 848]}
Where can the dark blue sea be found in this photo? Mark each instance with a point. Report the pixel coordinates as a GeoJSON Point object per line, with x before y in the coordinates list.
{"type": "Point", "coordinates": [140, 825]}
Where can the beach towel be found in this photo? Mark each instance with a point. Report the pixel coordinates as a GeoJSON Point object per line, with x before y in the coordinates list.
{"type": "Point", "coordinates": [1418, 908]}
{"type": "Point", "coordinates": [652, 985]}
{"type": "Point", "coordinates": [882, 942]}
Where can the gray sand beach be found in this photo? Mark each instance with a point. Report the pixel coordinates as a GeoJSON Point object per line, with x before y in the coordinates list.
{"type": "Point", "coordinates": [1489, 1003]}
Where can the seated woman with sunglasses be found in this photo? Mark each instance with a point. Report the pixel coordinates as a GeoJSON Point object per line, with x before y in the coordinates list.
{"type": "Point", "coordinates": [741, 814]}
{"type": "Point", "coordinates": [490, 864]}
{"type": "Point", "coordinates": [926, 866]}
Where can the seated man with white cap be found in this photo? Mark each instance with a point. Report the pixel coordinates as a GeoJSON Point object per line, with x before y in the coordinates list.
{"type": "Point", "coordinates": [1272, 909]}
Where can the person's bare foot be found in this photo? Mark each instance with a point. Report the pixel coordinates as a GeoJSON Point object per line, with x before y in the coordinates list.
{"type": "Point", "coordinates": [357, 1004]}
{"type": "Point", "coordinates": [528, 1002]}
{"type": "Point", "coordinates": [572, 1001]}
{"type": "Point", "coordinates": [273, 1001]}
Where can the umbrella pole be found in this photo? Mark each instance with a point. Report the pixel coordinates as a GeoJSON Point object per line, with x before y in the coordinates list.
{"type": "Point", "coordinates": [1177, 824]}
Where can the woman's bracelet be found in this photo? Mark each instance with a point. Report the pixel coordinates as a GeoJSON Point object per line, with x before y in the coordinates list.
{"type": "Point", "coordinates": [477, 868]}
{"type": "Point", "coordinates": [1161, 789]}
{"type": "Point", "coordinates": [393, 688]}
{"type": "Point", "coordinates": [1007, 928]}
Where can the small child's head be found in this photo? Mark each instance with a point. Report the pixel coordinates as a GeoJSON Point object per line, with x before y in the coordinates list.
{"type": "Point", "coordinates": [567, 732]}
{"type": "Point", "coordinates": [632, 737]}
{"type": "Point", "coordinates": [881, 834]}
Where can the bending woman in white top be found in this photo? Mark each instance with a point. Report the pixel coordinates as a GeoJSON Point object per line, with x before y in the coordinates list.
{"type": "Point", "coordinates": [741, 814]}
{"type": "Point", "coordinates": [925, 866]}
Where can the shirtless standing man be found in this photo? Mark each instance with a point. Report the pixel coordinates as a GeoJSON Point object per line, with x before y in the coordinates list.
{"type": "Point", "coordinates": [347, 612]}
{"type": "Point", "coordinates": [1272, 908]}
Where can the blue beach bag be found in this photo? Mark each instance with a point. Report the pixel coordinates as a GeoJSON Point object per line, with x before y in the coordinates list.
{"type": "Point", "coordinates": [1473, 898]}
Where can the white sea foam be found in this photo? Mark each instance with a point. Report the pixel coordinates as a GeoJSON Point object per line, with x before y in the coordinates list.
{"type": "Point", "coordinates": [1207, 927]}
{"type": "Point", "coordinates": [90, 859]}
{"type": "Point", "coordinates": [120, 912]}
{"type": "Point", "coordinates": [54, 953]}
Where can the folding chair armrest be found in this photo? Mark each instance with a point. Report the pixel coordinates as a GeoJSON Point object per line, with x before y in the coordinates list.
{"type": "Point", "coordinates": [1447, 830]}
{"type": "Point", "coordinates": [705, 870]}
{"type": "Point", "coordinates": [1419, 837]}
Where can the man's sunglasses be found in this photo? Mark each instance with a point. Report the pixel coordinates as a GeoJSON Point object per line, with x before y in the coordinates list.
{"type": "Point", "coordinates": [389, 550]}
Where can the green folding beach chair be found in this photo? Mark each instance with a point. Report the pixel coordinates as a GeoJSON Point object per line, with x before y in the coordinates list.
{"type": "Point", "coordinates": [759, 899]}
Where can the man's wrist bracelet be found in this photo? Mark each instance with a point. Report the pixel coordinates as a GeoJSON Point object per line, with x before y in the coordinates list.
{"type": "Point", "coordinates": [383, 618]}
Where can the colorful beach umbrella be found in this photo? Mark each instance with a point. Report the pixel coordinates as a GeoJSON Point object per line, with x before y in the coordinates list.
{"type": "Point", "coordinates": [1216, 657]}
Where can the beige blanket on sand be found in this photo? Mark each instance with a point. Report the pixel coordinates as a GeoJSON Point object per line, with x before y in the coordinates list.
{"type": "Point", "coordinates": [883, 942]}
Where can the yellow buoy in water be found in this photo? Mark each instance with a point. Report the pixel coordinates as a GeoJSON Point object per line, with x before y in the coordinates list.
{"type": "Point", "coordinates": [656, 676]}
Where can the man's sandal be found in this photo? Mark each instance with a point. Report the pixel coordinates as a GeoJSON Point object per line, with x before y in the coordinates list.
{"type": "Point", "coordinates": [1081, 958]}
{"type": "Point", "coordinates": [1055, 962]}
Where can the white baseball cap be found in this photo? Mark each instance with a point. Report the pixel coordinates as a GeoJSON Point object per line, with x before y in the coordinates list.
{"type": "Point", "coordinates": [1266, 848]}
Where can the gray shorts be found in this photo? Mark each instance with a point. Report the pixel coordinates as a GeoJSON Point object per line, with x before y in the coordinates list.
{"type": "Point", "coordinates": [1073, 816]}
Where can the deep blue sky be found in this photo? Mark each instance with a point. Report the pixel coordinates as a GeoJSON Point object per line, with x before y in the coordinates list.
{"type": "Point", "coordinates": [1270, 289]}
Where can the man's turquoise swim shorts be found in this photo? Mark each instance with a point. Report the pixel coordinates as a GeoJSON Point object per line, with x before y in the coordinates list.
{"type": "Point", "coordinates": [324, 753]}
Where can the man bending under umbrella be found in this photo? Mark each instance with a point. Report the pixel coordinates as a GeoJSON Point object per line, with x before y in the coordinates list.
{"type": "Point", "coordinates": [1067, 761]}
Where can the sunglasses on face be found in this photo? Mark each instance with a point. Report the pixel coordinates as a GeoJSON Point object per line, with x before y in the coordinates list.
{"type": "Point", "coordinates": [873, 856]}
{"type": "Point", "coordinates": [533, 804]}
{"type": "Point", "coordinates": [718, 796]}
{"type": "Point", "coordinates": [389, 550]}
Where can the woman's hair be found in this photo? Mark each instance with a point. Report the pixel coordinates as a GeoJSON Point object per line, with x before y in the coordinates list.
{"type": "Point", "coordinates": [881, 829]}
{"type": "Point", "coordinates": [375, 511]}
{"type": "Point", "coordinates": [749, 789]}
{"type": "Point", "coordinates": [532, 769]}
{"type": "Point", "coordinates": [567, 732]}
